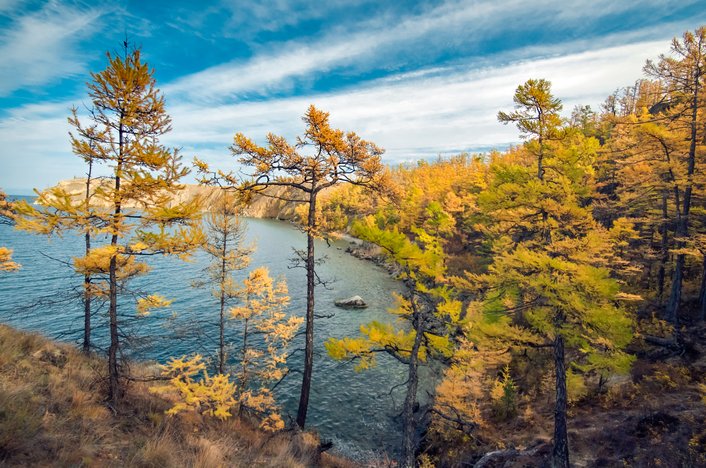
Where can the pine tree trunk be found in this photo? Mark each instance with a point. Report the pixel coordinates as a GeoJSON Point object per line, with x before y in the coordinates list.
{"type": "Point", "coordinates": [560, 451]}
{"type": "Point", "coordinates": [409, 443]}
{"type": "Point", "coordinates": [310, 283]}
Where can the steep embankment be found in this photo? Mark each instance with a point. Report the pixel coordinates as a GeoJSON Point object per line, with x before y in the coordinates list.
{"type": "Point", "coordinates": [52, 414]}
{"type": "Point", "coordinates": [273, 203]}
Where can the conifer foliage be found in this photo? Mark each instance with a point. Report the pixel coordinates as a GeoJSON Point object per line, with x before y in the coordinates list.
{"type": "Point", "coordinates": [127, 117]}
{"type": "Point", "coordinates": [322, 158]}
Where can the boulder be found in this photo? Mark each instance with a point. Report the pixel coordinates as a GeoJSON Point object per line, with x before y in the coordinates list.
{"type": "Point", "coordinates": [353, 302]}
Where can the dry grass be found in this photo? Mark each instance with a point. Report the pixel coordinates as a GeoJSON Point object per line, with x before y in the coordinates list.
{"type": "Point", "coordinates": [52, 414]}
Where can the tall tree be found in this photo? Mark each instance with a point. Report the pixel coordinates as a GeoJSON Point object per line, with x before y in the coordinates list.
{"type": "Point", "coordinates": [127, 118]}
{"type": "Point", "coordinates": [226, 236]}
{"type": "Point", "coordinates": [323, 157]}
{"type": "Point", "coordinates": [430, 317]}
{"type": "Point", "coordinates": [547, 285]}
{"type": "Point", "coordinates": [683, 75]}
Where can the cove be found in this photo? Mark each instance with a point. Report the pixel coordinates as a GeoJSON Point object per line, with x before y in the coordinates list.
{"type": "Point", "coordinates": [355, 410]}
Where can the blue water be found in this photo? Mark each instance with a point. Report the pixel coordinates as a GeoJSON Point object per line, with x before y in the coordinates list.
{"type": "Point", "coordinates": [353, 409]}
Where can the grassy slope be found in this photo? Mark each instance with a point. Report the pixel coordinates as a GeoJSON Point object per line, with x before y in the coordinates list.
{"type": "Point", "coordinates": [51, 414]}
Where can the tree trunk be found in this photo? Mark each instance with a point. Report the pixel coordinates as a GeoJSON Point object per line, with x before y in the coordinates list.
{"type": "Point", "coordinates": [310, 283]}
{"type": "Point", "coordinates": [560, 451]}
{"type": "Point", "coordinates": [222, 323]}
{"type": "Point", "coordinates": [409, 442]}
{"type": "Point", "coordinates": [113, 370]}
{"type": "Point", "coordinates": [87, 305]}
{"type": "Point", "coordinates": [672, 311]}
{"type": "Point", "coordinates": [664, 248]}
{"type": "Point", "coordinates": [702, 293]}
{"type": "Point", "coordinates": [87, 278]}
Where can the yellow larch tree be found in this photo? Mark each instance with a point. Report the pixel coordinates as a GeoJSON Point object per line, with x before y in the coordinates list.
{"type": "Point", "coordinates": [127, 118]}
{"type": "Point", "coordinates": [263, 363]}
{"type": "Point", "coordinates": [225, 246]}
{"type": "Point", "coordinates": [322, 158]}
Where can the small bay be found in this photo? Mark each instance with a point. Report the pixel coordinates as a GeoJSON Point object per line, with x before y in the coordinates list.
{"type": "Point", "coordinates": [353, 409]}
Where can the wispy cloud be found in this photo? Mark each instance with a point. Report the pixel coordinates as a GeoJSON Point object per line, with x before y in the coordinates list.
{"type": "Point", "coordinates": [422, 114]}
{"type": "Point", "coordinates": [386, 41]}
{"type": "Point", "coordinates": [41, 47]}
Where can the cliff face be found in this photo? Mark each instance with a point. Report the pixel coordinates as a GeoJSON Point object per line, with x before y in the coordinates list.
{"type": "Point", "coordinates": [272, 203]}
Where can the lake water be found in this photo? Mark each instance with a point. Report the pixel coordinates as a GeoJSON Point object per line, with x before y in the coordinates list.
{"type": "Point", "coordinates": [355, 410]}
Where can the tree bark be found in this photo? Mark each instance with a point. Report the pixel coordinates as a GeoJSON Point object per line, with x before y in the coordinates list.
{"type": "Point", "coordinates": [221, 323]}
{"type": "Point", "coordinates": [560, 451]}
{"type": "Point", "coordinates": [702, 293]}
{"type": "Point", "coordinates": [113, 370]}
{"type": "Point", "coordinates": [409, 442]}
{"type": "Point", "coordinates": [310, 284]}
{"type": "Point", "coordinates": [672, 311]}
{"type": "Point", "coordinates": [87, 278]}
{"type": "Point", "coordinates": [664, 248]}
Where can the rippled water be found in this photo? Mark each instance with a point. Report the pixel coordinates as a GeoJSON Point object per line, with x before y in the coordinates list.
{"type": "Point", "coordinates": [354, 410]}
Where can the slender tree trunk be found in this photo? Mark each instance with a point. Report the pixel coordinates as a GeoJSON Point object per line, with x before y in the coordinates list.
{"type": "Point", "coordinates": [113, 370]}
{"type": "Point", "coordinates": [87, 278]}
{"type": "Point", "coordinates": [244, 380]}
{"type": "Point", "coordinates": [702, 293]}
{"type": "Point", "coordinates": [310, 283]}
{"type": "Point", "coordinates": [560, 451]}
{"type": "Point", "coordinates": [664, 248]}
{"type": "Point", "coordinates": [409, 443]}
{"type": "Point", "coordinates": [672, 311]}
{"type": "Point", "coordinates": [222, 323]}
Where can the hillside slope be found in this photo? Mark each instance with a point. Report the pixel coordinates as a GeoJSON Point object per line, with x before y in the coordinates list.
{"type": "Point", "coordinates": [271, 204]}
{"type": "Point", "coordinates": [52, 414]}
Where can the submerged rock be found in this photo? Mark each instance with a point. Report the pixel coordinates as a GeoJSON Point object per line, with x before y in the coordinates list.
{"type": "Point", "coordinates": [353, 302]}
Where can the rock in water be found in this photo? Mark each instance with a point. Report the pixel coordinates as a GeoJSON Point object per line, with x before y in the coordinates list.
{"type": "Point", "coordinates": [354, 302]}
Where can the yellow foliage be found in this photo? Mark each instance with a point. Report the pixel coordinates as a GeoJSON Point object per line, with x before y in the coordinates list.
{"type": "Point", "coordinates": [212, 396]}
{"type": "Point", "coordinates": [6, 263]}
{"type": "Point", "coordinates": [153, 301]}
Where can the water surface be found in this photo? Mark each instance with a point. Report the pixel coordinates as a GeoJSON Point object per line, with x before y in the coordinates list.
{"type": "Point", "coordinates": [354, 410]}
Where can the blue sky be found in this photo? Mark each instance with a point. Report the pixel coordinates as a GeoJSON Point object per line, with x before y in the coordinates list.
{"type": "Point", "coordinates": [418, 78]}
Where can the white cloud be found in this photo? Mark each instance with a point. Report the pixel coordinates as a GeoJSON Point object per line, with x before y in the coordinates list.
{"type": "Point", "coordinates": [422, 114]}
{"type": "Point", "coordinates": [40, 47]}
{"type": "Point", "coordinates": [385, 41]}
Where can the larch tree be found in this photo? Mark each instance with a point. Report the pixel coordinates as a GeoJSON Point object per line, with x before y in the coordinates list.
{"type": "Point", "coordinates": [547, 285]}
{"type": "Point", "coordinates": [225, 245]}
{"type": "Point", "coordinates": [429, 315]}
{"type": "Point", "coordinates": [262, 315]}
{"type": "Point", "coordinates": [323, 157]}
{"type": "Point", "coordinates": [6, 217]}
{"type": "Point", "coordinates": [266, 334]}
{"type": "Point", "coordinates": [683, 74]}
{"type": "Point", "coordinates": [127, 118]}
